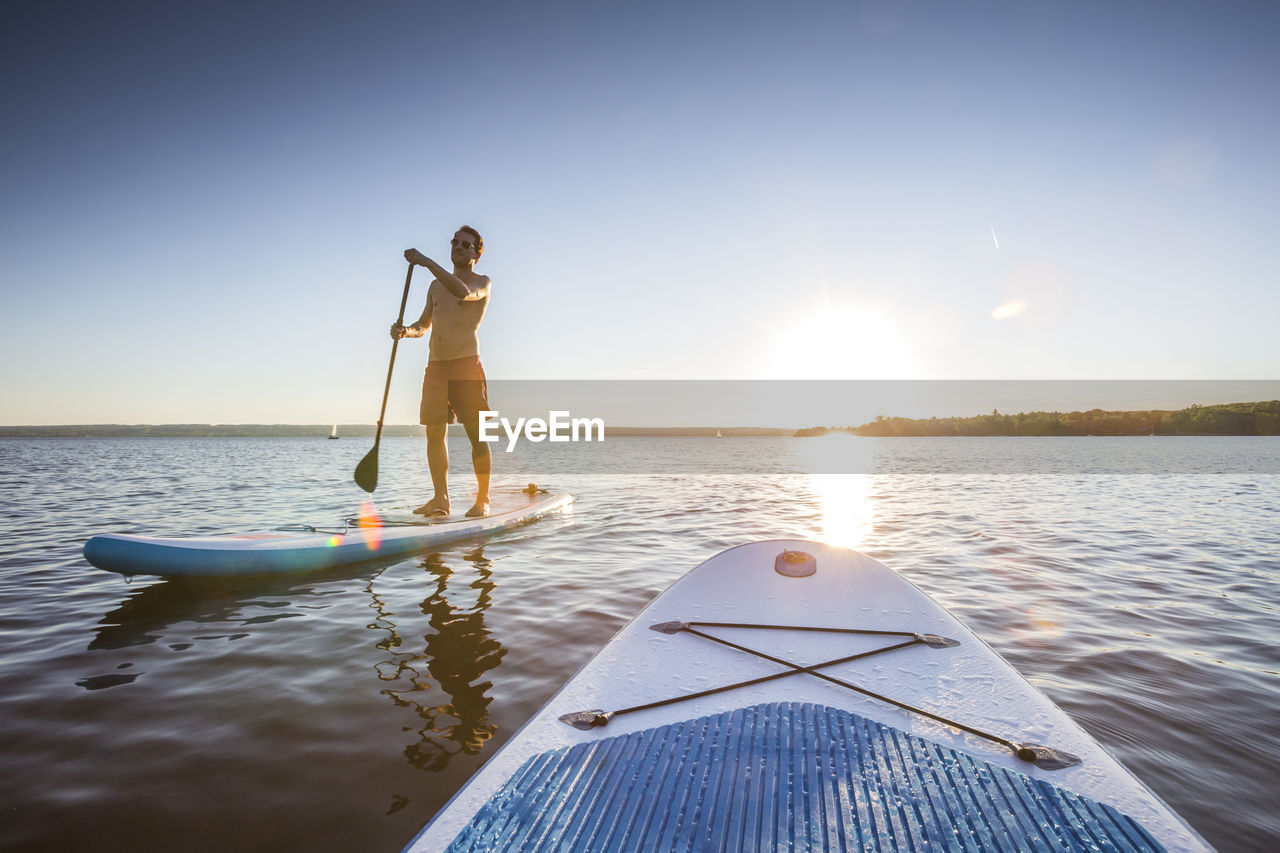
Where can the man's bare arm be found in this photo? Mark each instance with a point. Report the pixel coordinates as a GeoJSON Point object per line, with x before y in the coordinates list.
{"type": "Point", "coordinates": [419, 328]}
{"type": "Point", "coordinates": [450, 282]}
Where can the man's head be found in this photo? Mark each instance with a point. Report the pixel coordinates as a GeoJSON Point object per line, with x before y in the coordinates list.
{"type": "Point", "coordinates": [467, 245]}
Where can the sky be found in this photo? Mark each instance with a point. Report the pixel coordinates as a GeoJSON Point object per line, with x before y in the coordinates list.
{"type": "Point", "coordinates": [204, 206]}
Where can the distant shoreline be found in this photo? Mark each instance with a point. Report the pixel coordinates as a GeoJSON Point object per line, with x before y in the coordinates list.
{"type": "Point", "coordinates": [1260, 418]}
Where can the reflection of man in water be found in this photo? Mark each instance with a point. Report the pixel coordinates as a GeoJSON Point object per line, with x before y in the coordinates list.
{"type": "Point", "coordinates": [459, 652]}
{"type": "Point", "coordinates": [454, 384]}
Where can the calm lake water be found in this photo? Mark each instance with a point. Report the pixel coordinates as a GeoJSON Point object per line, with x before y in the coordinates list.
{"type": "Point", "coordinates": [1136, 581]}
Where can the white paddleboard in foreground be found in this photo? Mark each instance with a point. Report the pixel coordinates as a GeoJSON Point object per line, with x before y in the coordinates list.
{"type": "Point", "coordinates": [794, 761]}
{"type": "Point", "coordinates": [299, 548]}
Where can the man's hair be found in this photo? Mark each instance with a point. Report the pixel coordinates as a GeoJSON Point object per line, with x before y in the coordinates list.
{"type": "Point", "coordinates": [479, 240]}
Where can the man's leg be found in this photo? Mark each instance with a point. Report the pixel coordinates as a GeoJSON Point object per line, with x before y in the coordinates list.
{"type": "Point", "coordinates": [438, 462]}
{"type": "Point", "coordinates": [482, 462]}
{"type": "Point", "coordinates": [435, 415]}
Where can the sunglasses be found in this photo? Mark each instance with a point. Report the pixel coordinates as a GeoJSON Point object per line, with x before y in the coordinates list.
{"type": "Point", "coordinates": [461, 244]}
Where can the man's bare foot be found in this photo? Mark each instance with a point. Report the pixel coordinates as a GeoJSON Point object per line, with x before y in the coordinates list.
{"type": "Point", "coordinates": [435, 506]}
{"type": "Point", "coordinates": [480, 510]}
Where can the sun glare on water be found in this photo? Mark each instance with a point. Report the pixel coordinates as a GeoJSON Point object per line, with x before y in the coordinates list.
{"type": "Point", "coordinates": [842, 485]}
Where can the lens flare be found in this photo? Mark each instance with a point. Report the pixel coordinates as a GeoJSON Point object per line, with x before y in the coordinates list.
{"type": "Point", "coordinates": [1043, 621]}
{"type": "Point", "coordinates": [1012, 308]}
{"type": "Point", "coordinates": [370, 520]}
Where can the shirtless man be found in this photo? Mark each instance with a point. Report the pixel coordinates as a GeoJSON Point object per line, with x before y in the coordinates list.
{"type": "Point", "coordinates": [454, 384]}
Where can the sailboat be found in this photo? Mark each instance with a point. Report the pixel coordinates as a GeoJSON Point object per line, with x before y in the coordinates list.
{"type": "Point", "coordinates": [334, 433]}
{"type": "Point", "coordinates": [718, 435]}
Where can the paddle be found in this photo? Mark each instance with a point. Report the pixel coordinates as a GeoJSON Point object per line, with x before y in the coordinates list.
{"type": "Point", "coordinates": [367, 470]}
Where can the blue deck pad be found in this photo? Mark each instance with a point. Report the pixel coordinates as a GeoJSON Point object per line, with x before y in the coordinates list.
{"type": "Point", "coordinates": [784, 776]}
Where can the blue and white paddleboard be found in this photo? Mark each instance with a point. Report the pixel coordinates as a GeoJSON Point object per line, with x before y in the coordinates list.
{"type": "Point", "coordinates": [299, 549]}
{"type": "Point", "coordinates": [911, 734]}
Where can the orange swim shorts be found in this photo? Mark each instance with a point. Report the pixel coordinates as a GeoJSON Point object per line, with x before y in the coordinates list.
{"type": "Point", "coordinates": [453, 390]}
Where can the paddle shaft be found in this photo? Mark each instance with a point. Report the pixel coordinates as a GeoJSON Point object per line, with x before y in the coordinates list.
{"type": "Point", "coordinates": [404, 299]}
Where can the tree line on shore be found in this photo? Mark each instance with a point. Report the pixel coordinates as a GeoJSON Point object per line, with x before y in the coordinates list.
{"type": "Point", "coordinates": [1261, 418]}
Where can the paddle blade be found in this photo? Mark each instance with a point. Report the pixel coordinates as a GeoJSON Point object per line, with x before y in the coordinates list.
{"type": "Point", "coordinates": [367, 470]}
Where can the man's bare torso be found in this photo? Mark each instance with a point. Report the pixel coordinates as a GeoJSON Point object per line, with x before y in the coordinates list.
{"type": "Point", "coordinates": [455, 323]}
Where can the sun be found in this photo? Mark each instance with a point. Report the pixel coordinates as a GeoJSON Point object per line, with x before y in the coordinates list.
{"type": "Point", "coordinates": [837, 342]}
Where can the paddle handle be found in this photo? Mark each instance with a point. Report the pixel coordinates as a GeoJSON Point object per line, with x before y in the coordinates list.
{"type": "Point", "coordinates": [404, 300]}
